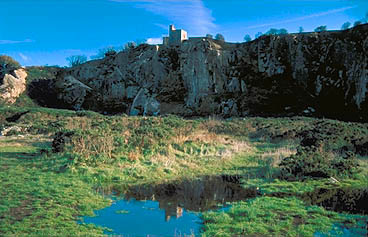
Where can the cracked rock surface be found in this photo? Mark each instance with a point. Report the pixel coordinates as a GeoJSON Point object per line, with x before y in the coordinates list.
{"type": "Point", "coordinates": [319, 74]}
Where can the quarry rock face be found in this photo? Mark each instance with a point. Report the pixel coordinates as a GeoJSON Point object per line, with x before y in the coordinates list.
{"type": "Point", "coordinates": [322, 73]}
{"type": "Point", "coordinates": [12, 85]}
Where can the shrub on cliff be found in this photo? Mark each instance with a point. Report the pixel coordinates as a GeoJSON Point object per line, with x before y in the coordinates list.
{"type": "Point", "coordinates": [320, 29]}
{"type": "Point", "coordinates": [346, 26]}
{"type": "Point", "coordinates": [220, 37]}
{"type": "Point", "coordinates": [7, 64]}
{"type": "Point", "coordinates": [274, 31]}
{"type": "Point", "coordinates": [247, 38]}
{"type": "Point", "coordinates": [105, 51]}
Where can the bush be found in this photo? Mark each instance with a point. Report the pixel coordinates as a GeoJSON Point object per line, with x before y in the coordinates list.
{"type": "Point", "coordinates": [220, 37]}
{"type": "Point", "coordinates": [320, 29]}
{"type": "Point", "coordinates": [314, 162]}
{"type": "Point", "coordinates": [7, 64]}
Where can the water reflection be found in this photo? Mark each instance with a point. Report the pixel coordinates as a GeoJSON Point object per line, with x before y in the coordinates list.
{"type": "Point", "coordinates": [174, 209]}
{"type": "Point", "coordinates": [170, 209]}
{"type": "Point", "coordinates": [144, 218]}
{"type": "Point", "coordinates": [207, 193]}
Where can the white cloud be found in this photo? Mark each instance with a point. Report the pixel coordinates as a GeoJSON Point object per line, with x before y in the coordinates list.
{"type": "Point", "coordinates": [24, 57]}
{"type": "Point", "coordinates": [154, 41]}
{"type": "Point", "coordinates": [162, 26]}
{"type": "Point", "coordinates": [191, 15]}
{"type": "Point", "coordinates": [16, 41]}
{"type": "Point", "coordinates": [303, 17]}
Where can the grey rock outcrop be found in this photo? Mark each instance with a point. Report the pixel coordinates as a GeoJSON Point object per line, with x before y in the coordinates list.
{"type": "Point", "coordinates": [145, 104]}
{"type": "Point", "coordinates": [326, 71]}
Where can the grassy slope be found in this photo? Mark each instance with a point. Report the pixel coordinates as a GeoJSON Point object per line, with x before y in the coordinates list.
{"type": "Point", "coordinates": [46, 192]}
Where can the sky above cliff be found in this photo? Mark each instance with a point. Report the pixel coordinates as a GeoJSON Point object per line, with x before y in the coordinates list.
{"type": "Point", "coordinates": [40, 32]}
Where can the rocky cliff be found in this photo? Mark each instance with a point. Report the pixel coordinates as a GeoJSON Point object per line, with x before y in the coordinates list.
{"type": "Point", "coordinates": [12, 85]}
{"type": "Point", "coordinates": [325, 74]}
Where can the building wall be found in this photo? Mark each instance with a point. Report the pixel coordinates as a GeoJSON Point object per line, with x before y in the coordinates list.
{"type": "Point", "coordinates": [176, 36]}
{"type": "Point", "coordinates": [165, 41]}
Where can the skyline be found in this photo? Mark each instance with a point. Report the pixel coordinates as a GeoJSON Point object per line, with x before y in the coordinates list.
{"type": "Point", "coordinates": [47, 31]}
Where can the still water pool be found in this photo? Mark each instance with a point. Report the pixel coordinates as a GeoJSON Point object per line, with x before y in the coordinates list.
{"type": "Point", "coordinates": [146, 218]}
{"type": "Point", "coordinates": [170, 209]}
{"type": "Point", "coordinates": [174, 209]}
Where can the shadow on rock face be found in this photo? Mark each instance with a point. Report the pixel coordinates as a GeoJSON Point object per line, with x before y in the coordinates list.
{"type": "Point", "coordinates": [44, 94]}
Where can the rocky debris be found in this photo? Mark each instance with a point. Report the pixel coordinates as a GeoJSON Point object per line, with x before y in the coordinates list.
{"type": "Point", "coordinates": [8, 131]}
{"type": "Point", "coordinates": [320, 74]}
{"type": "Point", "coordinates": [12, 85]}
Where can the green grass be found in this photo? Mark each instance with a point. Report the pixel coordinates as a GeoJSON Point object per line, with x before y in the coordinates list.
{"type": "Point", "coordinates": [272, 216]}
{"type": "Point", "coordinates": [45, 193]}
{"type": "Point", "coordinates": [40, 202]}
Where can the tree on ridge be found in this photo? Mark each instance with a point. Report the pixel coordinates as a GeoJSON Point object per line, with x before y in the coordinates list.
{"type": "Point", "coordinates": [345, 26]}
{"type": "Point", "coordinates": [247, 38]}
{"type": "Point", "coordinates": [320, 29]}
{"type": "Point", "coordinates": [76, 60]}
{"type": "Point", "coordinates": [220, 37]}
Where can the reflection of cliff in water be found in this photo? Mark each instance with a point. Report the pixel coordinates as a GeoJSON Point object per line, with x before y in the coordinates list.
{"type": "Point", "coordinates": [197, 195]}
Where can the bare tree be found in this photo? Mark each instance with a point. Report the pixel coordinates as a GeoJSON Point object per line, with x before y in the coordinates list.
{"type": "Point", "coordinates": [76, 60]}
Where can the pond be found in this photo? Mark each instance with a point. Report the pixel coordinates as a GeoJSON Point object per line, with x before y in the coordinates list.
{"type": "Point", "coordinates": [146, 218]}
{"type": "Point", "coordinates": [174, 209]}
{"type": "Point", "coordinates": [170, 209]}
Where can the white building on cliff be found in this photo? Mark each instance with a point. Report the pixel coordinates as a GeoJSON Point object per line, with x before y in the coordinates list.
{"type": "Point", "coordinates": [175, 37]}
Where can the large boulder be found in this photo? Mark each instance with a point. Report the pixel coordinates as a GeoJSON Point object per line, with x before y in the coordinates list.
{"type": "Point", "coordinates": [12, 85]}
{"type": "Point", "coordinates": [74, 92]}
{"type": "Point", "coordinates": [145, 104]}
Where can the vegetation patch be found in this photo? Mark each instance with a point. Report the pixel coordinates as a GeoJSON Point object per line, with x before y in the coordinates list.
{"type": "Point", "coordinates": [272, 216]}
{"type": "Point", "coordinates": [57, 165]}
{"type": "Point", "coordinates": [312, 162]}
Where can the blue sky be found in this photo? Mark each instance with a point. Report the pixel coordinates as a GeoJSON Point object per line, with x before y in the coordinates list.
{"type": "Point", "coordinates": [40, 32]}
